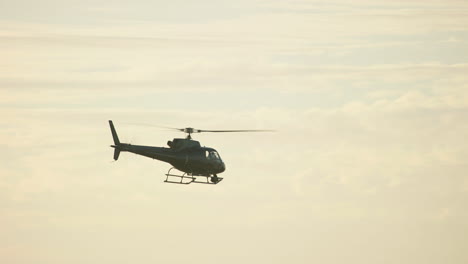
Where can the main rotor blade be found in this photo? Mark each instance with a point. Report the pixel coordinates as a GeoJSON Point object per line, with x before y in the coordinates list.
{"type": "Point", "coordinates": [152, 125]}
{"type": "Point", "coordinates": [191, 130]}
{"type": "Point", "coordinates": [247, 130]}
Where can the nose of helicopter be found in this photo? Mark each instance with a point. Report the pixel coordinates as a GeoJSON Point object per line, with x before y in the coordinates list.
{"type": "Point", "coordinates": [221, 167]}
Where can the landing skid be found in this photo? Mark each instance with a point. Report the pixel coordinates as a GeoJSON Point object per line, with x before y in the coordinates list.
{"type": "Point", "coordinates": [188, 178]}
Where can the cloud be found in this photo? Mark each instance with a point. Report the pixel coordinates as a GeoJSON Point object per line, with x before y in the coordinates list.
{"type": "Point", "coordinates": [368, 101]}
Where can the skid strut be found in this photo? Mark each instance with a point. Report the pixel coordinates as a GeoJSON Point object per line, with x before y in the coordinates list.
{"type": "Point", "coordinates": [187, 178]}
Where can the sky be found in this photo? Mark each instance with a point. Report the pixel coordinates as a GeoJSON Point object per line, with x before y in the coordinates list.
{"type": "Point", "coordinates": [368, 164]}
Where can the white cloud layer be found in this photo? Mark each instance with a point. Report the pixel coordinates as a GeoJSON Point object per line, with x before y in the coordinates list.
{"type": "Point", "coordinates": [368, 165]}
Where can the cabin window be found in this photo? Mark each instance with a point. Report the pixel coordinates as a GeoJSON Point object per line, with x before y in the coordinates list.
{"type": "Point", "coordinates": [213, 155]}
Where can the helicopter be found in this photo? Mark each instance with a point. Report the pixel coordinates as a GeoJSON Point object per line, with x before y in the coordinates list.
{"type": "Point", "coordinates": [184, 154]}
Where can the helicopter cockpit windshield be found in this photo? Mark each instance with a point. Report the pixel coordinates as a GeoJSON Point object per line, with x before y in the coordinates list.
{"type": "Point", "coordinates": [212, 155]}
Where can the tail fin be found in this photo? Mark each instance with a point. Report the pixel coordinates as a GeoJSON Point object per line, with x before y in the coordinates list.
{"type": "Point", "coordinates": [116, 141]}
{"type": "Point", "coordinates": [114, 134]}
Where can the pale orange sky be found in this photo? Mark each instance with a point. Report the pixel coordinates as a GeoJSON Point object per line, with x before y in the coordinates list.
{"type": "Point", "coordinates": [370, 100]}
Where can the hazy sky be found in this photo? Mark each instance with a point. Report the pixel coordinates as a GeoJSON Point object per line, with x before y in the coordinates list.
{"type": "Point", "coordinates": [370, 99]}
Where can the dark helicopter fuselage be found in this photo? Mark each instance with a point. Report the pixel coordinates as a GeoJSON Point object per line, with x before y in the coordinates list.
{"type": "Point", "coordinates": [186, 155]}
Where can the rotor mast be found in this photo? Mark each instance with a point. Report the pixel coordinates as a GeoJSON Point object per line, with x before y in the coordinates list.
{"type": "Point", "coordinates": [189, 131]}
